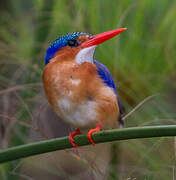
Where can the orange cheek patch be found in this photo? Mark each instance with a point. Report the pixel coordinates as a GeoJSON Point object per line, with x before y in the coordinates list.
{"type": "Point", "coordinates": [66, 54]}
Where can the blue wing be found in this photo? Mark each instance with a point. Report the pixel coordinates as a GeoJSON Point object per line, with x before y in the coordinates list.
{"type": "Point", "coordinates": [106, 76]}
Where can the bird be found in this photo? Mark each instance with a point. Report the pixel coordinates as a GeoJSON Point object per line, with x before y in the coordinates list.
{"type": "Point", "coordinates": [80, 89]}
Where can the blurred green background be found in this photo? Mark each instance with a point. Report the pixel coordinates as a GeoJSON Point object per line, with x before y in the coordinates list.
{"type": "Point", "coordinates": [141, 59]}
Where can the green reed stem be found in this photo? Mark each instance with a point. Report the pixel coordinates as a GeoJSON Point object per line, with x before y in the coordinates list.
{"type": "Point", "coordinates": [99, 137]}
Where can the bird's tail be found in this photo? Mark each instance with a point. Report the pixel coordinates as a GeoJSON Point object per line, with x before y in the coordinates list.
{"type": "Point", "coordinates": [121, 122]}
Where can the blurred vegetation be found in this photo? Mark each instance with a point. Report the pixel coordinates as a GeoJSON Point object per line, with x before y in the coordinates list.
{"type": "Point", "coordinates": [142, 60]}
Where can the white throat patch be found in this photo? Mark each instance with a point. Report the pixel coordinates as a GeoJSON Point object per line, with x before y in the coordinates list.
{"type": "Point", "coordinates": [85, 55]}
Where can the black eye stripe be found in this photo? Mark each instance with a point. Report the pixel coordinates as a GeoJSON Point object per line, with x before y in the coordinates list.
{"type": "Point", "coordinates": [74, 43]}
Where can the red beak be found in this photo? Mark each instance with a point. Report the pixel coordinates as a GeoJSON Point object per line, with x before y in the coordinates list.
{"type": "Point", "coordinates": [102, 37]}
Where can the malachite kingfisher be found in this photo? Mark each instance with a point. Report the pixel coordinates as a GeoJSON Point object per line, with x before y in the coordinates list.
{"type": "Point", "coordinates": [80, 89]}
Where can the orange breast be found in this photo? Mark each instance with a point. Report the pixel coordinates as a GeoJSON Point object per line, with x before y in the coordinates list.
{"type": "Point", "coordinates": [79, 96]}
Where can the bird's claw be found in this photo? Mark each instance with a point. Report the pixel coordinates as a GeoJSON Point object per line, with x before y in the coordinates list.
{"type": "Point", "coordinates": [71, 136]}
{"type": "Point", "coordinates": [91, 131]}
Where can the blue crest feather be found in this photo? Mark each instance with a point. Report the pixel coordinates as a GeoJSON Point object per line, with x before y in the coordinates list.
{"type": "Point", "coordinates": [60, 42]}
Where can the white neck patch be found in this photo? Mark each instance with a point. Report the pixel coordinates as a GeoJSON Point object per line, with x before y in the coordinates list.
{"type": "Point", "coordinates": [85, 55]}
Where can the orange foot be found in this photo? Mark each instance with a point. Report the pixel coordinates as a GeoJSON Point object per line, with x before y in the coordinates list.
{"type": "Point", "coordinates": [71, 136]}
{"type": "Point", "coordinates": [89, 134]}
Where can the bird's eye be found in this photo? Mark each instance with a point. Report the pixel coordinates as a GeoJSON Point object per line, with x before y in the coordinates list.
{"type": "Point", "coordinates": [74, 43]}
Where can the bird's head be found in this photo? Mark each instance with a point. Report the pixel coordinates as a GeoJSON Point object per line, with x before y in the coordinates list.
{"type": "Point", "coordinates": [78, 46]}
